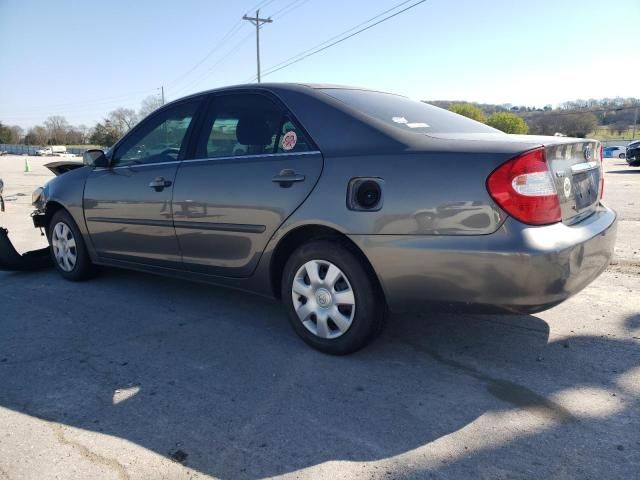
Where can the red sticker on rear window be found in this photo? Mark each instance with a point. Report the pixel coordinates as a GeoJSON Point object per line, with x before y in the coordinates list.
{"type": "Point", "coordinates": [289, 141]}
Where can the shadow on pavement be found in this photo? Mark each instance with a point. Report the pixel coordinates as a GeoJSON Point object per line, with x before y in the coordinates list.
{"type": "Point", "coordinates": [161, 363]}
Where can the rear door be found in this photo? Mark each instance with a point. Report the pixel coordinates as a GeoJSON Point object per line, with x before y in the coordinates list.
{"type": "Point", "coordinates": [253, 166]}
{"type": "Point", "coordinates": [128, 205]}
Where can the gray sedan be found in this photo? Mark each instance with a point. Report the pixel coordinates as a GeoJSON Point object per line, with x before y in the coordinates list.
{"type": "Point", "coordinates": [344, 203]}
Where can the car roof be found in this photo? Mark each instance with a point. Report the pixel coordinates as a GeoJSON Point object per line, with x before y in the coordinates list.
{"type": "Point", "coordinates": [326, 119]}
{"type": "Point", "coordinates": [285, 86]}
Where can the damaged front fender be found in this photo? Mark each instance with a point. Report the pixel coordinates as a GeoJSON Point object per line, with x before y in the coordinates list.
{"type": "Point", "coordinates": [69, 173]}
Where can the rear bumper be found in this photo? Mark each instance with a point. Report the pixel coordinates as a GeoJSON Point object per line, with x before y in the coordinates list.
{"type": "Point", "coordinates": [518, 268]}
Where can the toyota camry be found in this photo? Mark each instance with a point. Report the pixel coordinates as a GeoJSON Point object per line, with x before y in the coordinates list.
{"type": "Point", "coordinates": [345, 203]}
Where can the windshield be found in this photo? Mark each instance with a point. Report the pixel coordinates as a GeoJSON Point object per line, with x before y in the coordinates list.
{"type": "Point", "coordinates": [406, 114]}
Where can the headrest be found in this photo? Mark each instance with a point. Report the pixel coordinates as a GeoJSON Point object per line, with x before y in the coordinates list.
{"type": "Point", "coordinates": [252, 130]}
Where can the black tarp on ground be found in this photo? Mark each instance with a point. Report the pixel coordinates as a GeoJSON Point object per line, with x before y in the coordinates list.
{"type": "Point", "coordinates": [11, 260]}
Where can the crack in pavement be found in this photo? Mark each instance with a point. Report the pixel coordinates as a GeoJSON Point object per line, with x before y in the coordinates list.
{"type": "Point", "coordinates": [4, 474]}
{"type": "Point", "coordinates": [89, 455]}
{"type": "Point", "coordinates": [505, 390]}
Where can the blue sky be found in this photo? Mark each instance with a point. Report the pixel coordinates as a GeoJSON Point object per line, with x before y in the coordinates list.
{"type": "Point", "coordinates": [83, 58]}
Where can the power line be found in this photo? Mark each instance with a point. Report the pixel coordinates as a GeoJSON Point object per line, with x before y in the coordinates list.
{"type": "Point", "coordinates": [320, 48]}
{"type": "Point", "coordinates": [235, 28]}
{"type": "Point", "coordinates": [286, 7]}
{"type": "Point", "coordinates": [74, 110]}
{"type": "Point", "coordinates": [230, 33]}
{"type": "Point", "coordinates": [262, 5]}
{"type": "Point", "coordinates": [98, 101]}
{"type": "Point", "coordinates": [335, 36]}
{"type": "Point", "coordinates": [289, 10]}
{"type": "Point", "coordinates": [212, 67]}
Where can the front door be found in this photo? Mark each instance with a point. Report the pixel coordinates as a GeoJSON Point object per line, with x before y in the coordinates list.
{"type": "Point", "coordinates": [128, 205]}
{"type": "Point", "coordinates": [253, 167]}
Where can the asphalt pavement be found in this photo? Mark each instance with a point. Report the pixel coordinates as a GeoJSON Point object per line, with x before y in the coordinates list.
{"type": "Point", "coordinates": [133, 376]}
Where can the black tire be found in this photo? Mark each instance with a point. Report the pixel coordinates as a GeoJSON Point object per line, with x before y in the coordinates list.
{"type": "Point", "coordinates": [370, 308]}
{"type": "Point", "coordinates": [83, 269]}
{"type": "Point", "coordinates": [622, 155]}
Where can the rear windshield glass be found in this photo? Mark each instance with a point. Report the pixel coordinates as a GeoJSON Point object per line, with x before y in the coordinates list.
{"type": "Point", "coordinates": [406, 114]}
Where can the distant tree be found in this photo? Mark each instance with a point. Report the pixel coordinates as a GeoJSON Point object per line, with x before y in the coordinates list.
{"type": "Point", "coordinates": [148, 105]}
{"type": "Point", "coordinates": [468, 110]}
{"type": "Point", "coordinates": [508, 123]}
{"type": "Point", "coordinates": [74, 136]}
{"type": "Point", "coordinates": [123, 119]}
{"type": "Point", "coordinates": [36, 135]}
{"type": "Point", "coordinates": [577, 124]}
{"type": "Point", "coordinates": [84, 133]}
{"type": "Point", "coordinates": [57, 126]}
{"type": "Point", "coordinates": [16, 133]}
{"type": "Point", "coordinates": [105, 134]}
{"type": "Point", "coordinates": [5, 134]}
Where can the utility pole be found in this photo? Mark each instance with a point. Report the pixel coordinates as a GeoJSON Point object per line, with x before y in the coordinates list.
{"type": "Point", "coordinates": [162, 90]}
{"type": "Point", "coordinates": [258, 22]}
{"type": "Point", "coordinates": [635, 122]}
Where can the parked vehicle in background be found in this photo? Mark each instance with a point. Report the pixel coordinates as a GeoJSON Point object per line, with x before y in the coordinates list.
{"type": "Point", "coordinates": [633, 154]}
{"type": "Point", "coordinates": [344, 203]}
{"type": "Point", "coordinates": [614, 152]}
{"type": "Point", "coordinates": [52, 150]}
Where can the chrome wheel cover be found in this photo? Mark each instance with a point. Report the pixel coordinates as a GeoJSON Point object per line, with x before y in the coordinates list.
{"type": "Point", "coordinates": [323, 299]}
{"type": "Point", "coordinates": [64, 247]}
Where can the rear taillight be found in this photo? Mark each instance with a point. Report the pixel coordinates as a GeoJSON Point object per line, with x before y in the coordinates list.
{"type": "Point", "coordinates": [601, 173]}
{"type": "Point", "coordinates": [524, 188]}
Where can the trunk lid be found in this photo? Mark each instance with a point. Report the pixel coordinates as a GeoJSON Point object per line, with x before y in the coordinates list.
{"type": "Point", "coordinates": [576, 168]}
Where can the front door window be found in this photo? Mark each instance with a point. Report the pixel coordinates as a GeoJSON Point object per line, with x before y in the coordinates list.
{"type": "Point", "coordinates": [158, 139]}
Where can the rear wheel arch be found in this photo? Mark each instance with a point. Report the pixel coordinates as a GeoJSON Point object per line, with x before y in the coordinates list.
{"type": "Point", "coordinates": [308, 233]}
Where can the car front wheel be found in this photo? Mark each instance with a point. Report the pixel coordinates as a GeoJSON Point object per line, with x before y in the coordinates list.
{"type": "Point", "coordinates": [622, 155]}
{"type": "Point", "coordinates": [68, 250]}
{"type": "Point", "coordinates": [332, 301]}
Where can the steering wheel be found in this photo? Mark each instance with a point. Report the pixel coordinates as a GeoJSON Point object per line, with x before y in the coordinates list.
{"type": "Point", "coordinates": [170, 151]}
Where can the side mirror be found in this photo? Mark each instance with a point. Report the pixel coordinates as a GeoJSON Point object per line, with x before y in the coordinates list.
{"type": "Point", "coordinates": [95, 158]}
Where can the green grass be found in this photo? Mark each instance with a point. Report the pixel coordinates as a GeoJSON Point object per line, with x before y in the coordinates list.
{"type": "Point", "coordinates": [603, 133]}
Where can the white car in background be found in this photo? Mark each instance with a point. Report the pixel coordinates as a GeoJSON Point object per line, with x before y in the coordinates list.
{"type": "Point", "coordinates": [59, 150]}
{"type": "Point", "coordinates": [614, 152]}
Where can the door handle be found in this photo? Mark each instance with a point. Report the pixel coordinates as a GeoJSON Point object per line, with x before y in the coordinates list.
{"type": "Point", "coordinates": [286, 177]}
{"type": "Point", "coordinates": [159, 184]}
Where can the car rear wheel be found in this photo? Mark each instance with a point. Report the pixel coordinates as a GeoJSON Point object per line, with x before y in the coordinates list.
{"type": "Point", "coordinates": [332, 302]}
{"type": "Point", "coordinates": [622, 155]}
{"type": "Point", "coordinates": [68, 250]}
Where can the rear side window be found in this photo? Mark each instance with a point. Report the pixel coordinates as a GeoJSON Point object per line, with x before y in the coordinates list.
{"type": "Point", "coordinates": [406, 114]}
{"type": "Point", "coordinates": [248, 124]}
